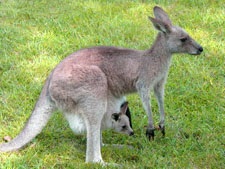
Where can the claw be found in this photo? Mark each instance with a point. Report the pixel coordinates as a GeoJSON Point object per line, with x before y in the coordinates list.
{"type": "Point", "coordinates": [150, 134]}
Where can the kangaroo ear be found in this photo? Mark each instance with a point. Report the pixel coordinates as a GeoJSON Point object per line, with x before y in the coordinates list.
{"type": "Point", "coordinates": [115, 116]}
{"type": "Point", "coordinates": [160, 25]}
{"type": "Point", "coordinates": [161, 15]}
{"type": "Point", "coordinates": [123, 108]}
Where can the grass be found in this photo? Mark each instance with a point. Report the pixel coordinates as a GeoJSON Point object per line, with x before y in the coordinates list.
{"type": "Point", "coordinates": [36, 35]}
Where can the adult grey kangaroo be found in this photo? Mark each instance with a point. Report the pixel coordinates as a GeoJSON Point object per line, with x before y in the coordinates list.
{"type": "Point", "coordinates": [91, 82]}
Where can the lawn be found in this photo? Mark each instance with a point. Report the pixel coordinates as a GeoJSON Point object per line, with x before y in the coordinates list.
{"type": "Point", "coordinates": [36, 35]}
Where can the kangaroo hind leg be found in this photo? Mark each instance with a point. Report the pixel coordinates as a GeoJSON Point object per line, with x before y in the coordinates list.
{"type": "Point", "coordinates": [93, 111]}
{"type": "Point", "coordinates": [93, 118]}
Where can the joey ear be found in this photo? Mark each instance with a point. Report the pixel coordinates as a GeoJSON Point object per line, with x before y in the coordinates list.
{"type": "Point", "coordinates": [115, 116]}
{"type": "Point", "coordinates": [123, 108]}
{"type": "Point", "coordinates": [160, 25]}
{"type": "Point", "coordinates": [161, 15]}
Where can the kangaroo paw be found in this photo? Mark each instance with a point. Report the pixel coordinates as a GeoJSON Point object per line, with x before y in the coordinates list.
{"type": "Point", "coordinates": [162, 130]}
{"type": "Point", "coordinates": [150, 133]}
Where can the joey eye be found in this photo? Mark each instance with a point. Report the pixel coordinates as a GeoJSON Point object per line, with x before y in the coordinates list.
{"type": "Point", "coordinates": [183, 39]}
{"type": "Point", "coordinates": [124, 126]}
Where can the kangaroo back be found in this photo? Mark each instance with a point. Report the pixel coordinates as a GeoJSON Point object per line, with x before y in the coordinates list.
{"type": "Point", "coordinates": [36, 122]}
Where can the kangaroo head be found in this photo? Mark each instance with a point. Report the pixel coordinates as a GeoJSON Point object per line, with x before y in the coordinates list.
{"type": "Point", "coordinates": [121, 122]}
{"type": "Point", "coordinates": [177, 40]}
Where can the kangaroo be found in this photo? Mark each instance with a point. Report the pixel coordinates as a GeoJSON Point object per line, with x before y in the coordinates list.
{"type": "Point", "coordinates": [91, 82]}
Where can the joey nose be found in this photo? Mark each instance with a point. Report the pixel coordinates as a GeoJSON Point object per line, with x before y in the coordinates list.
{"type": "Point", "coordinates": [200, 49]}
{"type": "Point", "coordinates": [131, 134]}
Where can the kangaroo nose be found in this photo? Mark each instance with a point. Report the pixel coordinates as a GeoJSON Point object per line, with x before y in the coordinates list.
{"type": "Point", "coordinates": [131, 134]}
{"type": "Point", "coordinates": [200, 49]}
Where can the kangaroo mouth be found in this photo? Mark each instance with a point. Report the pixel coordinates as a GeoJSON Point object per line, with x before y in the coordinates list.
{"type": "Point", "coordinates": [197, 53]}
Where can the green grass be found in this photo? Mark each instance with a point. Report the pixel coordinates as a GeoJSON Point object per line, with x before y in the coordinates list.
{"type": "Point", "coordinates": [36, 35]}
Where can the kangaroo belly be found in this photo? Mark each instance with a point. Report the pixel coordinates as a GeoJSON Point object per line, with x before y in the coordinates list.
{"type": "Point", "coordinates": [76, 123]}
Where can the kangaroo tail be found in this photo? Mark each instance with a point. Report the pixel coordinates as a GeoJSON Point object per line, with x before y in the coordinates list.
{"type": "Point", "coordinates": [37, 121]}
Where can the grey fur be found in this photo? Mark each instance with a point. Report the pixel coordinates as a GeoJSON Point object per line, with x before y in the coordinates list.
{"type": "Point", "coordinates": [92, 81]}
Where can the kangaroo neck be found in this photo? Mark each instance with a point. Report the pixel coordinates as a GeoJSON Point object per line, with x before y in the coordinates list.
{"type": "Point", "coordinates": [160, 47]}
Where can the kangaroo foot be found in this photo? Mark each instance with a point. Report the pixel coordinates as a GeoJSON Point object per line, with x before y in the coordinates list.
{"type": "Point", "coordinates": [150, 133]}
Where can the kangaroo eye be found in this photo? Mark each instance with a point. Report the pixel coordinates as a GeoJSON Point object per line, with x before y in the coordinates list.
{"type": "Point", "coordinates": [124, 126]}
{"type": "Point", "coordinates": [183, 39]}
